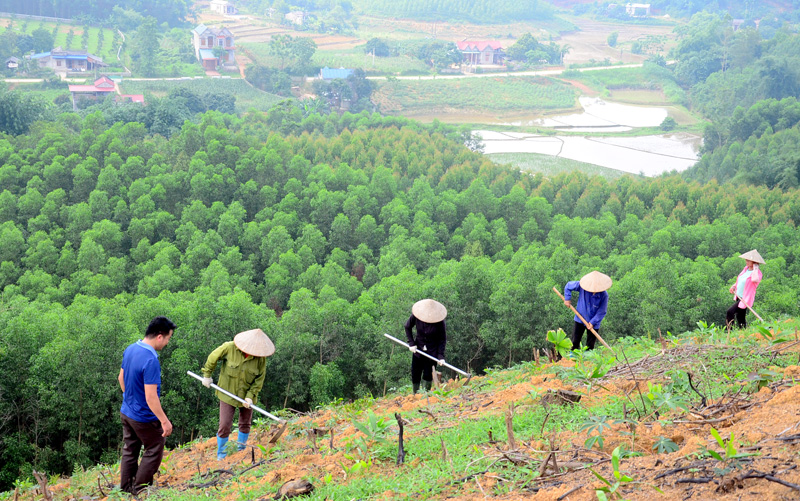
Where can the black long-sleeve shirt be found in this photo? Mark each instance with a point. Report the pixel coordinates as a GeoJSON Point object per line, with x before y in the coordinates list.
{"type": "Point", "coordinates": [431, 338]}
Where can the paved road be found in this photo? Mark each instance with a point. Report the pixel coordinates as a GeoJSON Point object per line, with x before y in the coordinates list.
{"type": "Point", "coordinates": [557, 71]}
{"type": "Point", "coordinates": [509, 73]}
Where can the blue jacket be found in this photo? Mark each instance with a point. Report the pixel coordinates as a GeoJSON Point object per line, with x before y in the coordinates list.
{"type": "Point", "coordinates": [591, 305]}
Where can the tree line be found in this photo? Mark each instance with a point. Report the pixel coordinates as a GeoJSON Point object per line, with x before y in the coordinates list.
{"type": "Point", "coordinates": [323, 231]}
{"type": "Point", "coordinates": [475, 11]}
{"type": "Point", "coordinates": [746, 83]}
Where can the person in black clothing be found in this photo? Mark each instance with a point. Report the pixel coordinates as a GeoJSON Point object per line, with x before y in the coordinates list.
{"type": "Point", "coordinates": [428, 316]}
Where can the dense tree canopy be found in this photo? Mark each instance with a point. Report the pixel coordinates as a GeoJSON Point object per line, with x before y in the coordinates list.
{"type": "Point", "coordinates": [323, 231]}
{"type": "Point", "coordinates": [173, 12]}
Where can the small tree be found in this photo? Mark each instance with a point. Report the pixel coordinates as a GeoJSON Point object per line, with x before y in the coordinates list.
{"type": "Point", "coordinates": [612, 39]}
{"type": "Point", "coordinates": [668, 123]}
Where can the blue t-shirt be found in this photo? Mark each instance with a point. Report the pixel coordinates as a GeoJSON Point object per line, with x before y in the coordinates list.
{"type": "Point", "coordinates": [139, 367]}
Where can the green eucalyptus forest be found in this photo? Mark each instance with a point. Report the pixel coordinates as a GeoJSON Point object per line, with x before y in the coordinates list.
{"type": "Point", "coordinates": [323, 230]}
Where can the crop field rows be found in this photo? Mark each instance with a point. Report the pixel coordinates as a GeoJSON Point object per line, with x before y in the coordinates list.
{"type": "Point", "coordinates": [107, 52]}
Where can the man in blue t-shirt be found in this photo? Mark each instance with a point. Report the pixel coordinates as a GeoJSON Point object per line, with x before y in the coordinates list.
{"type": "Point", "coordinates": [144, 422]}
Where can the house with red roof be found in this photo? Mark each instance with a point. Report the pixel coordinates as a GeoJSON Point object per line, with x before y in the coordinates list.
{"type": "Point", "coordinates": [481, 52]}
{"type": "Point", "coordinates": [101, 88]}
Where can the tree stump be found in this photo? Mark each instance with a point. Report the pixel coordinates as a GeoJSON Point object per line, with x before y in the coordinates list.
{"type": "Point", "coordinates": [561, 397]}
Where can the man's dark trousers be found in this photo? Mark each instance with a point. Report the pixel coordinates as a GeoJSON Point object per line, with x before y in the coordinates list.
{"type": "Point", "coordinates": [134, 476]}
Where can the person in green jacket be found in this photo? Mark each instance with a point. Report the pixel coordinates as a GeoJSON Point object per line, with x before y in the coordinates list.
{"type": "Point", "coordinates": [242, 370]}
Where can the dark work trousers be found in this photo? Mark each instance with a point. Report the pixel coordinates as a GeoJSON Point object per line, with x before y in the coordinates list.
{"type": "Point", "coordinates": [226, 419]}
{"type": "Point", "coordinates": [739, 313]}
{"type": "Point", "coordinates": [577, 333]}
{"type": "Point", "coordinates": [421, 366]}
{"type": "Point", "coordinates": [134, 477]}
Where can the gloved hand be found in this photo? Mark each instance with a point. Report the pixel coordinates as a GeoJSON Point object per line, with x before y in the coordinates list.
{"type": "Point", "coordinates": [413, 349]}
{"type": "Point", "coordinates": [207, 382]}
{"type": "Point", "coordinates": [248, 402]}
{"type": "Point", "coordinates": [441, 361]}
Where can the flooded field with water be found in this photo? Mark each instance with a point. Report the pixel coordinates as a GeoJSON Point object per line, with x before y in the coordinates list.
{"type": "Point", "coordinates": [647, 155]}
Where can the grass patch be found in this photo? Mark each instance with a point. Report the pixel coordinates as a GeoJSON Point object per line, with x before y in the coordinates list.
{"type": "Point", "coordinates": [246, 96]}
{"type": "Point", "coordinates": [355, 58]}
{"type": "Point", "coordinates": [490, 94]}
{"type": "Point", "coordinates": [648, 77]}
{"type": "Point", "coordinates": [551, 166]}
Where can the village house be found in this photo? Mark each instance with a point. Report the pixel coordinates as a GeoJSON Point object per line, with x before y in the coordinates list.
{"type": "Point", "coordinates": [205, 39]}
{"type": "Point", "coordinates": [12, 63]}
{"type": "Point", "coordinates": [296, 17]}
{"type": "Point", "coordinates": [223, 7]}
{"type": "Point", "coordinates": [68, 61]}
{"type": "Point", "coordinates": [99, 90]}
{"type": "Point", "coordinates": [638, 9]}
{"type": "Point", "coordinates": [481, 52]}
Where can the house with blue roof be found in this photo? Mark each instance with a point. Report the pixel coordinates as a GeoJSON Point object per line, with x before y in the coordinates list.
{"type": "Point", "coordinates": [64, 61]}
{"type": "Point", "coordinates": [205, 39]}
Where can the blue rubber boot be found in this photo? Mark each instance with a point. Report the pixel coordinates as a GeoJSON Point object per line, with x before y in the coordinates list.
{"type": "Point", "coordinates": [221, 442]}
{"type": "Point", "coordinates": [241, 442]}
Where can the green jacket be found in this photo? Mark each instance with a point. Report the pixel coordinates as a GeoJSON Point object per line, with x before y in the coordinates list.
{"type": "Point", "coordinates": [241, 376]}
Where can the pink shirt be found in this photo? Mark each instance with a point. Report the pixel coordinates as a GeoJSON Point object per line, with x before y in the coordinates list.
{"type": "Point", "coordinates": [750, 286]}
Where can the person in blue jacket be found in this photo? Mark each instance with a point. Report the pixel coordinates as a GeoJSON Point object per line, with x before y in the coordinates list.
{"type": "Point", "coordinates": [592, 305]}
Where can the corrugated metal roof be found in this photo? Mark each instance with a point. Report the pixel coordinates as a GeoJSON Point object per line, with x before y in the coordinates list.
{"type": "Point", "coordinates": [334, 73]}
{"type": "Point", "coordinates": [479, 46]}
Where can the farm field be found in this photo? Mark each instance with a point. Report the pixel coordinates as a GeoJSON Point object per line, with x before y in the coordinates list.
{"type": "Point", "coordinates": [246, 96]}
{"type": "Point", "coordinates": [466, 96]}
{"type": "Point", "coordinates": [105, 49]}
{"type": "Point", "coordinates": [590, 41]}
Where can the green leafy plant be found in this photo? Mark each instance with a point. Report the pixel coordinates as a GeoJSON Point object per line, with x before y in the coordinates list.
{"type": "Point", "coordinates": [664, 398]}
{"type": "Point", "coordinates": [595, 424]}
{"type": "Point", "coordinates": [664, 445]}
{"type": "Point", "coordinates": [611, 488]}
{"type": "Point", "coordinates": [731, 456]}
{"type": "Point", "coordinates": [764, 377]}
{"type": "Point", "coordinates": [561, 342]}
{"type": "Point", "coordinates": [359, 466]}
{"type": "Point", "coordinates": [771, 334]}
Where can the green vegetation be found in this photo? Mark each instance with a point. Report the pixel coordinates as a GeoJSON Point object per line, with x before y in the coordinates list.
{"type": "Point", "coordinates": [246, 96]}
{"type": "Point", "coordinates": [489, 94]}
{"type": "Point", "coordinates": [173, 12]}
{"type": "Point", "coordinates": [746, 86]}
{"type": "Point", "coordinates": [551, 166]}
{"type": "Point", "coordinates": [475, 11]}
{"type": "Point", "coordinates": [323, 230]}
{"type": "Point", "coordinates": [447, 439]}
{"type": "Point", "coordinates": [648, 77]}
{"type": "Point", "coordinates": [355, 58]}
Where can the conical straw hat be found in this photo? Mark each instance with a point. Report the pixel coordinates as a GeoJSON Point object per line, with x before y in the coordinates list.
{"type": "Point", "coordinates": [596, 282]}
{"type": "Point", "coordinates": [753, 255]}
{"type": "Point", "coordinates": [429, 311]}
{"type": "Point", "coordinates": [255, 343]}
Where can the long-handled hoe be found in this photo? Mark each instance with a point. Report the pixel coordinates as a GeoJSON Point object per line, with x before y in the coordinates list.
{"type": "Point", "coordinates": [256, 408]}
{"type": "Point", "coordinates": [591, 329]}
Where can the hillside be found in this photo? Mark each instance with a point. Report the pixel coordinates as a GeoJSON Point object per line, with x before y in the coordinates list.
{"type": "Point", "coordinates": [457, 445]}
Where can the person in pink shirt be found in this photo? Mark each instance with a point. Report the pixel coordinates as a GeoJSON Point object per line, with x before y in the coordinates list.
{"type": "Point", "coordinates": [744, 290]}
